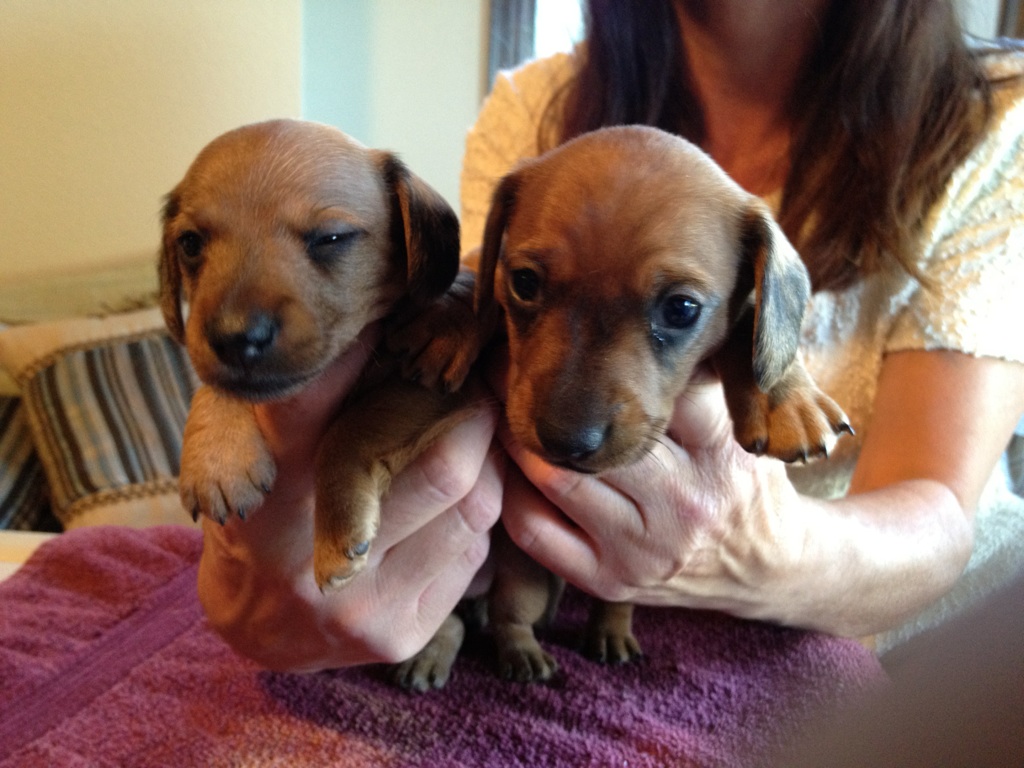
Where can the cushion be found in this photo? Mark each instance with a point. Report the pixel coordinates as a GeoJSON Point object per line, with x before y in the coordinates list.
{"type": "Point", "coordinates": [106, 401]}
{"type": "Point", "coordinates": [23, 497]}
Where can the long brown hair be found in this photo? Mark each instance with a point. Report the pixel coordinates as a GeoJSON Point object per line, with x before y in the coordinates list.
{"type": "Point", "coordinates": [893, 99]}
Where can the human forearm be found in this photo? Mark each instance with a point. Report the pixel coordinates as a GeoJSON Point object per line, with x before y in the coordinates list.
{"type": "Point", "coordinates": [865, 563]}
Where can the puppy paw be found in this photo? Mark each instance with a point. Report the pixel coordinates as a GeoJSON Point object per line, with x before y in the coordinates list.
{"type": "Point", "coordinates": [438, 344]}
{"type": "Point", "coordinates": [431, 667]}
{"type": "Point", "coordinates": [608, 638]}
{"type": "Point", "coordinates": [608, 645]}
{"type": "Point", "coordinates": [226, 468]}
{"type": "Point", "coordinates": [520, 657]}
{"type": "Point", "coordinates": [342, 540]}
{"type": "Point", "coordinates": [795, 421]}
{"type": "Point", "coordinates": [336, 565]}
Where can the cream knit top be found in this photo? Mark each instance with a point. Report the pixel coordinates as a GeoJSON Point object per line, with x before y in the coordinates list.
{"type": "Point", "coordinates": [972, 248]}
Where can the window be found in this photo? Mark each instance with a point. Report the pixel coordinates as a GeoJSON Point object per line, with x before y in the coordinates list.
{"type": "Point", "coordinates": [525, 29]}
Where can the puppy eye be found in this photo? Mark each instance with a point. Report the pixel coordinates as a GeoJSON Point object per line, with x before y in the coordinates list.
{"type": "Point", "coordinates": [326, 247]}
{"type": "Point", "coordinates": [190, 244]}
{"type": "Point", "coordinates": [525, 284]}
{"type": "Point", "coordinates": [679, 311]}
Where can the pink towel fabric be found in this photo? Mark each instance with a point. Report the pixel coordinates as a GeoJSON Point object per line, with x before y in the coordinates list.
{"type": "Point", "coordinates": [106, 660]}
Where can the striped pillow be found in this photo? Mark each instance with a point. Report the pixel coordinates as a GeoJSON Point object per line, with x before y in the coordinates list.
{"type": "Point", "coordinates": [23, 499]}
{"type": "Point", "coordinates": [106, 400]}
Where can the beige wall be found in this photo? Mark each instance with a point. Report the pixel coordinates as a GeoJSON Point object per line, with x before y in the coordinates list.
{"type": "Point", "coordinates": [104, 102]}
{"type": "Point", "coordinates": [404, 75]}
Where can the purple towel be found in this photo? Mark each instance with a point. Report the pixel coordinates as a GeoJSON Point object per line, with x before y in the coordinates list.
{"type": "Point", "coordinates": [106, 660]}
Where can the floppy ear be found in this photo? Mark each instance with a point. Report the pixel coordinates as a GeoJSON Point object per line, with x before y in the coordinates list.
{"type": "Point", "coordinates": [424, 228]}
{"type": "Point", "coordinates": [170, 276]}
{"type": "Point", "coordinates": [494, 232]}
{"type": "Point", "coordinates": [781, 291]}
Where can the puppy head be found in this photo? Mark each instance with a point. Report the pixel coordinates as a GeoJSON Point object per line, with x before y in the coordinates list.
{"type": "Point", "coordinates": [286, 239]}
{"type": "Point", "coordinates": [621, 260]}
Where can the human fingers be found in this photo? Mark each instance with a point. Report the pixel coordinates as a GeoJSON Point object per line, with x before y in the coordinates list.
{"type": "Point", "coordinates": [619, 534]}
{"type": "Point", "coordinates": [545, 533]}
{"type": "Point", "coordinates": [438, 561]}
{"type": "Point", "coordinates": [442, 477]}
{"type": "Point", "coordinates": [393, 608]}
{"type": "Point", "coordinates": [700, 418]}
{"type": "Point", "coordinates": [293, 426]}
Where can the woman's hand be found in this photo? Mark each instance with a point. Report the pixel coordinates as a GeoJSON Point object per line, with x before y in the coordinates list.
{"type": "Point", "coordinates": [701, 523]}
{"type": "Point", "coordinates": [697, 522]}
{"type": "Point", "coordinates": [256, 580]}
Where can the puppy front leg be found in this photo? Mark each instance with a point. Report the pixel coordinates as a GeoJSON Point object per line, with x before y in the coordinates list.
{"type": "Point", "coordinates": [226, 467]}
{"type": "Point", "coordinates": [439, 343]}
{"type": "Point", "coordinates": [793, 421]}
{"type": "Point", "coordinates": [373, 439]}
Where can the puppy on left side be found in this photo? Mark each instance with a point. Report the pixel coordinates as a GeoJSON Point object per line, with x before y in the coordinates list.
{"type": "Point", "coordinates": [285, 240]}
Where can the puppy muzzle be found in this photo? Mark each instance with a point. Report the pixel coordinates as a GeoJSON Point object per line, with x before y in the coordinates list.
{"type": "Point", "coordinates": [250, 361]}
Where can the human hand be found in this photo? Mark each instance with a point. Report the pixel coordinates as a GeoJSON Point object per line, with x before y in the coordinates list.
{"type": "Point", "coordinates": [256, 578]}
{"type": "Point", "coordinates": [697, 522]}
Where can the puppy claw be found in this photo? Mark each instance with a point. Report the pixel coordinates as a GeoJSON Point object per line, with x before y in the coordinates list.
{"type": "Point", "coordinates": [614, 650]}
{"type": "Point", "coordinates": [226, 467]}
{"type": "Point", "coordinates": [757, 447]}
{"type": "Point", "coordinates": [333, 570]}
{"type": "Point", "coordinates": [359, 550]}
{"type": "Point", "coordinates": [524, 666]}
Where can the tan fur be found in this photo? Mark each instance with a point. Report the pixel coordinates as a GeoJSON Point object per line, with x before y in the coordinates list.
{"type": "Point", "coordinates": [285, 240]}
{"type": "Point", "coordinates": [584, 250]}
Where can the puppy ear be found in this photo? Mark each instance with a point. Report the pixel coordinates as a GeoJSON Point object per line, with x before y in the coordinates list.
{"type": "Point", "coordinates": [424, 228]}
{"type": "Point", "coordinates": [781, 291]}
{"type": "Point", "coordinates": [170, 276]}
{"type": "Point", "coordinates": [494, 232]}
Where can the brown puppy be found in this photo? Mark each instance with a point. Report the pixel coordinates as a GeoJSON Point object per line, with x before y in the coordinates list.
{"type": "Point", "coordinates": [622, 260]}
{"type": "Point", "coordinates": [286, 239]}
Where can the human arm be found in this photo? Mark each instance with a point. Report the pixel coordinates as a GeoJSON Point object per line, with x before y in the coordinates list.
{"type": "Point", "coordinates": [256, 579]}
{"type": "Point", "coordinates": [700, 523]}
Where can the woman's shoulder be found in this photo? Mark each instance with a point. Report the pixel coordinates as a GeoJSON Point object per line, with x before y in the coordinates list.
{"type": "Point", "coordinates": [517, 104]}
{"type": "Point", "coordinates": [1002, 59]}
{"type": "Point", "coordinates": [993, 170]}
{"type": "Point", "coordinates": [546, 72]}
{"type": "Point", "coordinates": [1005, 69]}
{"type": "Point", "coordinates": [531, 86]}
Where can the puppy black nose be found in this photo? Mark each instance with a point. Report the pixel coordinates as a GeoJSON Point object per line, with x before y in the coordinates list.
{"type": "Point", "coordinates": [242, 340]}
{"type": "Point", "coordinates": [571, 445]}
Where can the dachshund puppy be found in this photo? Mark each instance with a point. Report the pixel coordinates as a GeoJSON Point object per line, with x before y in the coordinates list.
{"type": "Point", "coordinates": [620, 262]}
{"type": "Point", "coordinates": [286, 239]}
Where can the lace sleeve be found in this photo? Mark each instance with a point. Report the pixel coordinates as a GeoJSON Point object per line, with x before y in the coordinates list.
{"type": "Point", "coordinates": [974, 252]}
{"type": "Point", "coordinates": [506, 131]}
